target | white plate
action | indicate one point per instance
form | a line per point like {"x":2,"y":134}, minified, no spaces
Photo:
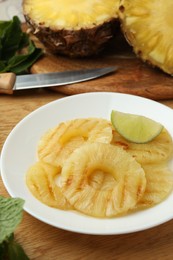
{"x":19,"y":152}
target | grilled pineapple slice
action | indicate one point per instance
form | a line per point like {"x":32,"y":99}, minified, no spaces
{"x":159,"y":149}
{"x":147,"y":26}
{"x":72,"y":27}
{"x":58,"y":143}
{"x":90,"y":159}
{"x":41,"y":181}
{"x":100,"y":180}
{"x":159,"y":185}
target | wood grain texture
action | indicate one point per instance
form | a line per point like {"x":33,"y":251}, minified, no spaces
{"x":44,"y":242}
{"x":133,"y":76}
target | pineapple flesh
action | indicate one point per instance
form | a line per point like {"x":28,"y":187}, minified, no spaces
{"x":85,"y":165}
{"x":58,"y":143}
{"x":158,"y":150}
{"x":148,"y":27}
{"x":84,"y":192}
{"x":41,"y":181}
{"x":159,"y":185}
{"x":72,"y":27}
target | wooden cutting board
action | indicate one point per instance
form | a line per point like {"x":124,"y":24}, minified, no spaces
{"x":133,"y":75}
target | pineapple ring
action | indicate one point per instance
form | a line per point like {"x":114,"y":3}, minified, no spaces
{"x":130,"y":181}
{"x":40,"y":180}
{"x":159,"y":149}
{"x":159,"y":185}
{"x":58,"y":143}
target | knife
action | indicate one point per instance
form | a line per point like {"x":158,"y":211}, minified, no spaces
{"x":10,"y":81}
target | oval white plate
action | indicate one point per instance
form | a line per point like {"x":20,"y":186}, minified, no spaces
{"x":19,"y":152}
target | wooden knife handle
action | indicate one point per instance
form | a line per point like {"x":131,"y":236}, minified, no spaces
{"x":7,"y":81}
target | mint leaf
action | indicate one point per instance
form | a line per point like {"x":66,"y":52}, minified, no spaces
{"x":27,"y":62}
{"x":11,"y":210}
{"x":10,"y":250}
{"x":2,"y":65}
{"x":21,"y":62}
{"x":15,"y":251}
{"x":11,"y":59}
{"x":9,"y":42}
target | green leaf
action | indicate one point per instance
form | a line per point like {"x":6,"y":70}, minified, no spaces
{"x":2,"y":65}
{"x":11,"y":250}
{"x":22,"y":67}
{"x":11,"y":44}
{"x":24,"y":41}
{"x":20,"y":63}
{"x":2,"y":250}
{"x":11,"y":37}
{"x":17,"y":59}
{"x":11,"y":210}
{"x":3,"y":26}
{"x":4,"y":247}
{"x":15,"y":251}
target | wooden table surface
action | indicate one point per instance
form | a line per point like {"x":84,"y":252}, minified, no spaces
{"x":41,"y":241}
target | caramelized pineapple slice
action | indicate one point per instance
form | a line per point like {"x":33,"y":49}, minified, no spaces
{"x":147,"y":26}
{"x":41,"y":181}
{"x":82,"y":186}
{"x":159,"y":149}
{"x":159,"y":185}
{"x":58,"y":143}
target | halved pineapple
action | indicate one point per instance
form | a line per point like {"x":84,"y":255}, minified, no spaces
{"x":86,"y":194}
{"x":148,"y":27}
{"x":72,"y":27}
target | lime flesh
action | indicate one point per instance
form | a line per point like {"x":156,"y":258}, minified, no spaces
{"x":135,"y":128}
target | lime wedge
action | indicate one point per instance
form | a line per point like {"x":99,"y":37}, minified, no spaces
{"x":135,"y":128}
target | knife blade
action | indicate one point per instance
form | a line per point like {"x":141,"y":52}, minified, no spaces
{"x":10,"y":82}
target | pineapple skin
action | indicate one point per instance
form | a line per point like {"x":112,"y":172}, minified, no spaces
{"x":72,"y":27}
{"x":75,"y":43}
